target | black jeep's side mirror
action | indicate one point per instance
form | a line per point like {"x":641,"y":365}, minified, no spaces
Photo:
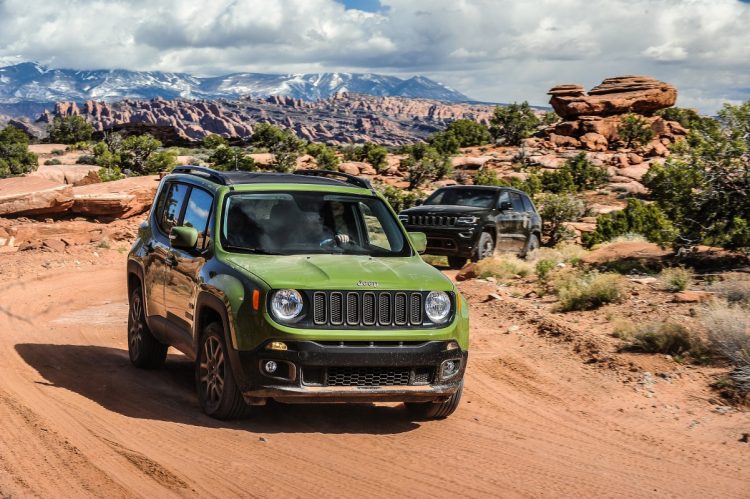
{"x":506,"y":205}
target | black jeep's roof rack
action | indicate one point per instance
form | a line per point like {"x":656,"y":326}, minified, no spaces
{"x":348,"y":178}
{"x":202,"y":171}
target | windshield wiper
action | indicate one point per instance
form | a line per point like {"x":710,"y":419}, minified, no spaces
{"x":256,"y":251}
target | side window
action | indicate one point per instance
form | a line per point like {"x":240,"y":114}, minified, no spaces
{"x":527,"y":204}
{"x":375,"y":232}
{"x":198,"y":212}
{"x":170,"y":213}
{"x":503,"y":198}
{"x":515,"y":198}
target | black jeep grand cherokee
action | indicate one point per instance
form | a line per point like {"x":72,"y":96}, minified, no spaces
{"x":463,"y":222}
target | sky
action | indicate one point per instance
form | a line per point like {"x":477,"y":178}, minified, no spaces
{"x":491,"y":50}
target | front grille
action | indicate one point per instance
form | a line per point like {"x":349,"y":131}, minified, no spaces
{"x":367,"y":376}
{"x":368,"y":308}
{"x":431,"y":220}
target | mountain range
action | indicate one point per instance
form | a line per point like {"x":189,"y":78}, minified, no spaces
{"x":29,"y":82}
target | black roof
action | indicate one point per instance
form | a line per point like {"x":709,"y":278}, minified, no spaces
{"x":483,"y":187}
{"x":314,"y":177}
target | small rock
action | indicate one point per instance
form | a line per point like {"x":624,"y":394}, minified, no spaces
{"x":493,"y":297}
{"x":262,"y":439}
{"x":745,"y":438}
{"x":691,"y":296}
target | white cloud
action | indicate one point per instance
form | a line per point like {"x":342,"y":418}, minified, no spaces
{"x":495,"y":50}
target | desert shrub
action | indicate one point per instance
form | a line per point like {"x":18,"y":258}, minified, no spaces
{"x":425,"y":164}
{"x":460,"y":133}
{"x":69,"y":129}
{"x":285,"y":146}
{"x":487,"y":177}
{"x":110,"y":174}
{"x":577,"y":174}
{"x":565,"y":252}
{"x":136,"y":150}
{"x":676,"y":278}
{"x":86,"y":159}
{"x":629,"y":237}
{"x":530,"y":185}
{"x":227,"y":158}
{"x":513,"y":123}
{"x":213,"y":141}
{"x":728,"y":329}
{"x":503,"y":267}
{"x":549,"y":118}
{"x":81,"y":145}
{"x":325,"y":157}
{"x":637,"y":217}
{"x":398,"y":199}
{"x":53,"y":161}
{"x":735,"y":291}
{"x":556,"y":210}
{"x":544,"y":267}
{"x":161,"y":161}
{"x":634,"y":130}
{"x":666,"y":338}
{"x":688,"y":118}
{"x":15,"y":157}
{"x":587,"y":290}
{"x":57,"y":152}
{"x":557,"y":182}
{"x":703,"y":186}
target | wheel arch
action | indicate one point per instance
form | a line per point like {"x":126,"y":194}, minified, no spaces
{"x":210,"y":308}
{"x":135,"y":277}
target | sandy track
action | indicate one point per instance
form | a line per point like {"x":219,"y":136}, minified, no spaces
{"x":79,"y":420}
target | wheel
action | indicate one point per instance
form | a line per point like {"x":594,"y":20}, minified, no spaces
{"x":485,"y":247}
{"x":456,"y":262}
{"x":531,"y":245}
{"x":218,"y":393}
{"x":144,"y":350}
{"x":431,"y":410}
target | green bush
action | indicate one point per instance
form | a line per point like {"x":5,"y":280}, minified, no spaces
{"x":425,"y":164}
{"x":285,"y":146}
{"x":57,"y":152}
{"x":399,"y":199}
{"x":513,"y":123}
{"x":587,"y":291}
{"x":665,"y":338}
{"x":213,"y":141}
{"x":86,"y":159}
{"x":227,"y":158}
{"x":135,"y":152}
{"x":53,"y":161}
{"x":460,"y":133}
{"x":676,"y":278}
{"x":634,"y":130}
{"x":110,"y":174}
{"x":15,"y":157}
{"x":503,"y":266}
{"x":161,"y":161}
{"x":325,"y":157}
{"x":69,"y":129}
{"x":637,"y":217}
{"x":544,"y":267}
{"x":556,"y":210}
{"x":577,"y":174}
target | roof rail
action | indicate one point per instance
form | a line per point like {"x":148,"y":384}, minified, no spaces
{"x":349,"y":179}
{"x":202,"y":171}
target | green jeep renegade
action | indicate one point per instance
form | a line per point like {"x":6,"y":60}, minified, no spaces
{"x":298,"y":287}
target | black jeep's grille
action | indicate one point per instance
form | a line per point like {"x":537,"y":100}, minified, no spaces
{"x":367,"y":376}
{"x":368,"y":308}
{"x":429,"y":220}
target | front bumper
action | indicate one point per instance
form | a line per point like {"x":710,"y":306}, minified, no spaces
{"x":453,"y":241}
{"x":329,"y":371}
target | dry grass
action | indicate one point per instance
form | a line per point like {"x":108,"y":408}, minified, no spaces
{"x":728,"y":329}
{"x":503,"y":267}
{"x":664,"y":337}
{"x":587,"y":291}
{"x":676,"y":279}
{"x":735,"y":290}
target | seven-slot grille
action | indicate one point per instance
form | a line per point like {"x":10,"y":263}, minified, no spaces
{"x":424,"y":220}
{"x":368,"y":308}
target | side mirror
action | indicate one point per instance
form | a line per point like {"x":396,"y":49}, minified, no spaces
{"x":418,"y":241}
{"x":184,"y":238}
{"x":506,"y":205}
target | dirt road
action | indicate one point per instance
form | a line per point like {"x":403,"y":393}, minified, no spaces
{"x":77,"y":420}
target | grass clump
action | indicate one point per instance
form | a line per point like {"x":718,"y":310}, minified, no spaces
{"x":675,"y":279}
{"x":588,"y":290}
{"x":728,"y":329}
{"x":666,"y":338}
{"x":503,"y":267}
{"x":734,"y":290}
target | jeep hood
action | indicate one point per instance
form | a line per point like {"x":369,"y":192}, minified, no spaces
{"x":445,"y":209}
{"x":343,"y":272}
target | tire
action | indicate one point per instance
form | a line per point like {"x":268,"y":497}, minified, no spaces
{"x":456,"y":262}
{"x":441,"y":410}
{"x":485,"y":247}
{"x":144,"y":350}
{"x":218,"y":393}
{"x":532,"y":244}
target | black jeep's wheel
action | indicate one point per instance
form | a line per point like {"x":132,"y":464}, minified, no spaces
{"x":485,"y":247}
{"x":431,"y":410}
{"x":532,"y":244}
{"x":218,"y":393}
{"x":144,"y":350}
{"x":456,"y":262}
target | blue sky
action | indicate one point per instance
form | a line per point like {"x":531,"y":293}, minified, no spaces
{"x":491,"y":50}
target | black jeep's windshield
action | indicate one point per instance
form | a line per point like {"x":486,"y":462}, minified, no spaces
{"x":293,"y":223}
{"x":479,"y":198}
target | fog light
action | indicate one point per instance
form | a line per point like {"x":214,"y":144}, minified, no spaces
{"x":270,"y":367}
{"x":449,"y":368}
{"x":276,"y":345}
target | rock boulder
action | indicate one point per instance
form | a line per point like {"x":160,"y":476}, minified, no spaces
{"x":34,"y":196}
{"x":118,"y":199}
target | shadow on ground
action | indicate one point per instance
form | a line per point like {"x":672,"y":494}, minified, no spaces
{"x":106,"y":376}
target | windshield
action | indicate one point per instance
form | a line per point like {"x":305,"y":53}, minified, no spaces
{"x":479,"y":198}
{"x":293,"y":223}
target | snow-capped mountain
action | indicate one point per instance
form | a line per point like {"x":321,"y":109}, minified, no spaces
{"x":31,"y":82}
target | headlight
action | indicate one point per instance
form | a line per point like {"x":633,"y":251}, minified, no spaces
{"x":286,"y":304}
{"x":467,"y":220}
{"x":437,"y":306}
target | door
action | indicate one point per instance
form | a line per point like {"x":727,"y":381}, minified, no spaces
{"x":510,"y":222}
{"x":183,"y":271}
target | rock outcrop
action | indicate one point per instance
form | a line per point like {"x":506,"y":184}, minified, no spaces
{"x":619,"y":95}
{"x":34,"y":196}
{"x":344,"y":118}
{"x":118,"y":199}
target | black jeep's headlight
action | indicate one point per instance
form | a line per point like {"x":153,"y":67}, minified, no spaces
{"x":286,"y":304}
{"x":437,"y":306}
{"x":467,"y":220}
